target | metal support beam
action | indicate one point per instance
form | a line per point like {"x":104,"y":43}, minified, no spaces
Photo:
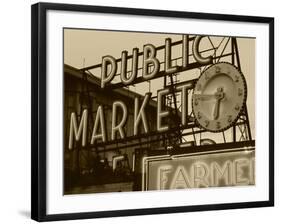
{"x":248,"y":123}
{"x":233,"y":62}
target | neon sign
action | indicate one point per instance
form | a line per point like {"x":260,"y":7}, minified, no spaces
{"x":225,"y":168}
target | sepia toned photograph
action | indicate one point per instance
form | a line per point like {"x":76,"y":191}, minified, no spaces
{"x":157,"y":111}
{"x":147,"y":111}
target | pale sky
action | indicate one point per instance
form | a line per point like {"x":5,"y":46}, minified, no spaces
{"x":84,"y":48}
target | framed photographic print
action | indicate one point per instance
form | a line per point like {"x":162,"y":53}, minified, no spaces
{"x":140,"y":111}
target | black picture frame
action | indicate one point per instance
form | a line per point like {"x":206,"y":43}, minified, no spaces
{"x":39,"y":114}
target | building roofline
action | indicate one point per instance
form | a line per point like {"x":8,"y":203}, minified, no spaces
{"x":96,"y":81}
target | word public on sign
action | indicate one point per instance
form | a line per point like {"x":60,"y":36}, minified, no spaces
{"x":149,"y":60}
{"x":223,"y":168}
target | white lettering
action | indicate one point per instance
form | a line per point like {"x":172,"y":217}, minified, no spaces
{"x":239,"y":174}
{"x":140,"y":114}
{"x":183,"y":89}
{"x":180,"y":179}
{"x":105,"y":78}
{"x":168,"y":62}
{"x":99,"y":120}
{"x":196,"y":53}
{"x":162,"y":176}
{"x":200,"y":174}
{"x":149,"y":57}
{"x":160,"y":113}
{"x":118,"y":127}
{"x":78,"y":131}
{"x":219,"y":172}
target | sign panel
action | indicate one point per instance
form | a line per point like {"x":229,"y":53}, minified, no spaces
{"x":209,"y":169}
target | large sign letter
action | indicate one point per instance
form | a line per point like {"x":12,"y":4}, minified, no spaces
{"x":184,"y":102}
{"x":73,"y":130}
{"x":141,"y":114}
{"x":123,"y":75}
{"x":168,"y":59}
{"x":160,"y":113}
{"x":105,"y":78}
{"x":118,"y":127}
{"x":197,"y":55}
{"x":99,"y":120}
{"x":149,"y":57}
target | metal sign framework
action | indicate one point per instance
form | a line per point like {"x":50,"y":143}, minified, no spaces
{"x":175,"y":136}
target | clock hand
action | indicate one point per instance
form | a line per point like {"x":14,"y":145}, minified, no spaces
{"x":216,"y":109}
{"x":219,"y":95}
{"x":205,"y":96}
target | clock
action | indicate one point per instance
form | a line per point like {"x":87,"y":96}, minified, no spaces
{"x":219,"y":97}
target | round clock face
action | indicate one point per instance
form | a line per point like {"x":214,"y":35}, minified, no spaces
{"x":219,"y":97}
